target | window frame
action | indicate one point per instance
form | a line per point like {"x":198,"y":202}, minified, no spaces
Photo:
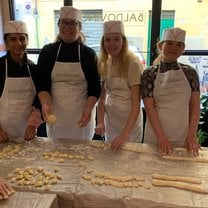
{"x":155,"y":31}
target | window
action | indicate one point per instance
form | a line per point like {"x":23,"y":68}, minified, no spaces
{"x":41,"y":17}
{"x":43,"y":29}
{"x":2,"y":49}
{"x":195,"y":22}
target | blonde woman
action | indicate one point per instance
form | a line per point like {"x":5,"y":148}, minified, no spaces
{"x":119,"y":113}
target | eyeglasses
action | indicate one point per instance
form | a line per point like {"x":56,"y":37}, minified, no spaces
{"x":64,"y":24}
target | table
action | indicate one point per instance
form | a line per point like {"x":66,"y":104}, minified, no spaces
{"x":30,"y":200}
{"x":79,"y":157}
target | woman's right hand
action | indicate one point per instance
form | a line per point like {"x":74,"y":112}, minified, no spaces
{"x":165,"y":146}
{"x":100,"y":129}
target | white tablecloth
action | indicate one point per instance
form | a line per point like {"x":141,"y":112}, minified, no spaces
{"x":30,"y":200}
{"x":73,"y":191}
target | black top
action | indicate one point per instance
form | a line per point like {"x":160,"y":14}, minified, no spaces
{"x":68,"y":53}
{"x":16,"y":70}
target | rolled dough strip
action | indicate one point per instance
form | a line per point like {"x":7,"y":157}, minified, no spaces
{"x":132,"y":147}
{"x":179,"y":185}
{"x":192,"y":159}
{"x":176,"y":178}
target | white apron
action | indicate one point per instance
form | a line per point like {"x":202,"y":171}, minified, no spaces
{"x":118,"y":106}
{"x":172,"y":94}
{"x":69,"y":94}
{"x":16,"y":103}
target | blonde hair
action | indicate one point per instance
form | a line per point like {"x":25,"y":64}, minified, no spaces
{"x":157,"y":60}
{"x":125,"y":57}
{"x":159,"y":56}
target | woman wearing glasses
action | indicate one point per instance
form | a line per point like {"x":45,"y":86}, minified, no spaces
{"x":69,"y":83}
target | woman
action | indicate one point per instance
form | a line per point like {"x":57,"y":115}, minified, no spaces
{"x":69,"y":82}
{"x":17,"y":90}
{"x":119,"y":111}
{"x":170,"y":91}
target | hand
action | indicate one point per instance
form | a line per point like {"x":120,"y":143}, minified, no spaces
{"x":192,"y":145}
{"x":86,"y":116}
{"x":165,"y":146}
{"x":5,"y":189}
{"x":118,"y":142}
{"x":100,"y":129}
{"x":35,"y":118}
{"x":3,"y":136}
{"x":30,"y":133}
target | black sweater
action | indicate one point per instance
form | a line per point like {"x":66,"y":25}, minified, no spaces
{"x":68,"y":53}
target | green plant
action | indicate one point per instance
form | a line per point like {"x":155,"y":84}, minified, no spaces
{"x":202,"y":135}
{"x":204,"y":102}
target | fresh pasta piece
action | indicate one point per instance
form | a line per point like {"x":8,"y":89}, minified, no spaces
{"x":61,"y":160}
{"x":90,"y":157}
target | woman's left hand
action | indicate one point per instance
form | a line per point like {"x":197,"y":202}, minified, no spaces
{"x":118,"y":142}
{"x":86,"y":116}
{"x":192,"y":145}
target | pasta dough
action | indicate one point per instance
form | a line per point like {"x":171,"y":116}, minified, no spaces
{"x":131,"y":147}
{"x":51,"y":119}
{"x":60,"y":157}
{"x":179,"y":185}
{"x":10,"y":150}
{"x":192,"y":159}
{"x":176,"y":178}
{"x":37,"y":178}
{"x":104,"y":178}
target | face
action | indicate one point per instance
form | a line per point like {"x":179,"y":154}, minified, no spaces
{"x":113,"y":43}
{"x":16,"y":43}
{"x":171,"y":50}
{"x":68,"y":30}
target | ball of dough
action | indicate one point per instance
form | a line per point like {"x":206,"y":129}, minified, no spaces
{"x":51,"y":119}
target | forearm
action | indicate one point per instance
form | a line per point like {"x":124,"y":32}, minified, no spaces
{"x":100,"y":113}
{"x":194,"y":114}
{"x":132,"y":118}
{"x":153,"y":117}
{"x":90,"y":102}
{"x":45,"y":98}
{"x":101,"y":107}
{"x":134,"y":112}
{"x":46,"y":103}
